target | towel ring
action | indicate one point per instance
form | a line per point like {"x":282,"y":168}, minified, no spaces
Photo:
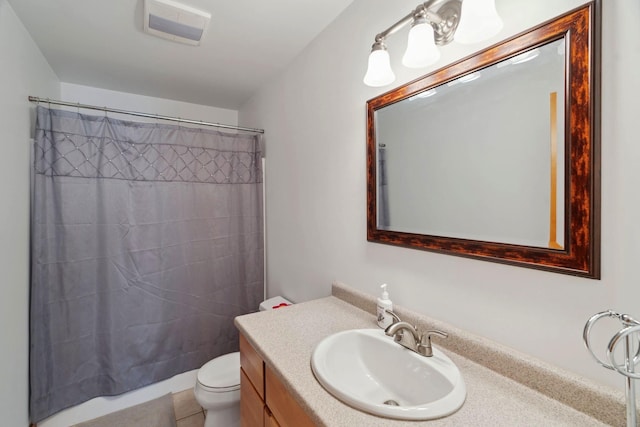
{"x":623,"y":368}
{"x":627,"y":321}
{"x":631,"y":326}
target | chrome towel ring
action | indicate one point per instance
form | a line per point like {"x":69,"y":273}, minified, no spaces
{"x":627,"y":368}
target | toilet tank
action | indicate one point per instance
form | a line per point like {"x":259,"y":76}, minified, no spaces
{"x":273,"y":303}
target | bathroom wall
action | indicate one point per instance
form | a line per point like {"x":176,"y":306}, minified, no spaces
{"x":145,"y":104}
{"x":23,"y":72}
{"x":314,"y":115}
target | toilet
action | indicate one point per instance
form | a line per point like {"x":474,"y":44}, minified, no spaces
{"x":217,"y":390}
{"x":217,"y":387}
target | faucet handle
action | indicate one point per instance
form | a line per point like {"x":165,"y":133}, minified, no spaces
{"x":424,"y":347}
{"x":435,"y":332}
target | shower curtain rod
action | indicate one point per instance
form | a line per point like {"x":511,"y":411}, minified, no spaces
{"x":139,"y":114}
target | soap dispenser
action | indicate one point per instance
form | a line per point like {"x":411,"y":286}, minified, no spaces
{"x":384,"y":303}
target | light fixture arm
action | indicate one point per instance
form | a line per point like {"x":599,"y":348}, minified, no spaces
{"x":443,"y":15}
{"x":381,"y":37}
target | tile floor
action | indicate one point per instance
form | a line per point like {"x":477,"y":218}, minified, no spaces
{"x":188,"y":411}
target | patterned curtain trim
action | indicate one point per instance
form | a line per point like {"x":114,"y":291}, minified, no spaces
{"x":70,"y":154}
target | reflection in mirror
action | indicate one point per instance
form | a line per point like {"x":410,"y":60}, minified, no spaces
{"x":502,"y":126}
{"x":496,"y":156}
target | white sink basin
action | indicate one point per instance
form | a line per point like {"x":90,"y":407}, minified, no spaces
{"x":367,"y":370}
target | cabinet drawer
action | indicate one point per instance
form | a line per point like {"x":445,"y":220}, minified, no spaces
{"x":252,"y":407}
{"x":252,"y":365}
{"x":284,"y":407}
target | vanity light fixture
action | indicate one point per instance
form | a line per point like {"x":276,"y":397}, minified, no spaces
{"x":379,"y":72}
{"x":433,"y":23}
{"x":421,"y":47}
{"x":478,"y":21}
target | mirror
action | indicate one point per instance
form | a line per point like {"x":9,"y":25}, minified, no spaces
{"x":496,"y":156}
{"x":516,"y":138}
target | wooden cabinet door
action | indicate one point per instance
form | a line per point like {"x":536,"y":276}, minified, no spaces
{"x":285,"y":408}
{"x":269,"y":419}
{"x":251,"y":404}
{"x":252,"y":365}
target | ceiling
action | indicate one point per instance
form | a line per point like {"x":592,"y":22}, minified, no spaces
{"x":101,"y":44}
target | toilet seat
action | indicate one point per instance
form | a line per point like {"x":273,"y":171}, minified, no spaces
{"x":220,"y":375}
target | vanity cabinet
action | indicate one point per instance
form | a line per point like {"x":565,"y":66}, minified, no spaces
{"x":264,"y":400}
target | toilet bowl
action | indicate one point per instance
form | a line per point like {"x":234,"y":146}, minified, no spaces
{"x":217,"y":390}
{"x":217,"y":387}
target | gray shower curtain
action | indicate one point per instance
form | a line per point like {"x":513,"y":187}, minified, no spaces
{"x":147,"y":240}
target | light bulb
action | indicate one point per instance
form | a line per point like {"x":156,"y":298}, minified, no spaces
{"x":421,"y":47}
{"x":379,"y":72}
{"x":479,"y":21}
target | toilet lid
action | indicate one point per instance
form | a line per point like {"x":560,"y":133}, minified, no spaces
{"x":223,"y":372}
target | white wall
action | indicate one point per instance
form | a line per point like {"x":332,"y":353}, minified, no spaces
{"x":144,"y":104}
{"x":314,"y":114}
{"x":23,"y":72}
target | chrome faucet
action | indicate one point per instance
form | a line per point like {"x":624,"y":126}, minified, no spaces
{"x":397,"y":331}
{"x":414,"y":341}
{"x":395,"y":316}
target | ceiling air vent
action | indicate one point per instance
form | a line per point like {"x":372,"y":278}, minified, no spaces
{"x":174,"y":21}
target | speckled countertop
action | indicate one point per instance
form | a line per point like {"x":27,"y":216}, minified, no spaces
{"x":285,"y":338}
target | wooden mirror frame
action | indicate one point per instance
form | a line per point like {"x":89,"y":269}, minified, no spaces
{"x":581,"y":253}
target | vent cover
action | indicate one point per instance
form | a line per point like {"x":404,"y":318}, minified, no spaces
{"x":174,"y":21}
